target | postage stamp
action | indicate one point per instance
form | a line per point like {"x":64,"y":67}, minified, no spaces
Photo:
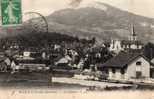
{"x":11,"y":12}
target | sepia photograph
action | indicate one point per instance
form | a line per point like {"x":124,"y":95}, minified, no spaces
{"x":76,"y":49}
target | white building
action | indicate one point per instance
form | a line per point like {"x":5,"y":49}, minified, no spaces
{"x":127,"y":66}
{"x":132,"y":43}
{"x":116,"y":46}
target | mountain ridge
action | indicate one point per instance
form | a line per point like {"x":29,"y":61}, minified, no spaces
{"x":97,"y":22}
{"x":88,"y":22}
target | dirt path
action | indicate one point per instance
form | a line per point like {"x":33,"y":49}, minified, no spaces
{"x":87,"y":83}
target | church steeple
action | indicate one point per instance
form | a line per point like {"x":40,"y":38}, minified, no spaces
{"x":133,"y":35}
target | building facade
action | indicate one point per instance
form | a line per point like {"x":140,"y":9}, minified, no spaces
{"x":127,"y":66}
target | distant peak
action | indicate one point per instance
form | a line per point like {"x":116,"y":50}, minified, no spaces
{"x":92,"y":4}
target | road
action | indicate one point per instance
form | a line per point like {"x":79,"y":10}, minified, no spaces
{"x":88,"y":83}
{"x":41,"y":80}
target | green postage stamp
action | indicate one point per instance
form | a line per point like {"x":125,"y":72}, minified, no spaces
{"x":11,"y":12}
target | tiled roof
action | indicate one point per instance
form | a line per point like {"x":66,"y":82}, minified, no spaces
{"x":121,"y":60}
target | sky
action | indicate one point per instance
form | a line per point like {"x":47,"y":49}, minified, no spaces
{"x":46,"y":7}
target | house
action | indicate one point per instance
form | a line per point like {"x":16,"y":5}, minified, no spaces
{"x":29,"y":64}
{"x":127,"y":66}
{"x":64,"y":60}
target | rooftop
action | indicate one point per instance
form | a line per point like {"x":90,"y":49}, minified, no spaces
{"x":121,"y":60}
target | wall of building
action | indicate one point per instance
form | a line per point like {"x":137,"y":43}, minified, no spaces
{"x":130,"y":71}
{"x":144,"y":68}
{"x":117,"y":75}
{"x":110,"y":74}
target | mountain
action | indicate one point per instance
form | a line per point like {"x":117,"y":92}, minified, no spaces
{"x":101,"y":21}
{"x":97,"y":19}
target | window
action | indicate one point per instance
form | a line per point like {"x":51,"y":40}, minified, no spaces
{"x":138,"y":63}
{"x":122,"y":71}
{"x":113,"y":70}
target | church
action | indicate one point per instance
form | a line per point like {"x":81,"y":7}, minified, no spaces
{"x":131,"y":44}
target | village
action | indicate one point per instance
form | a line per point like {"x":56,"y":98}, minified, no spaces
{"x":119,"y":61}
